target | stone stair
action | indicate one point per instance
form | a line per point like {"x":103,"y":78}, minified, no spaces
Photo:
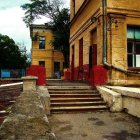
{"x":75,"y":99}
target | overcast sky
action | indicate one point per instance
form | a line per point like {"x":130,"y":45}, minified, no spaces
{"x":11,"y":23}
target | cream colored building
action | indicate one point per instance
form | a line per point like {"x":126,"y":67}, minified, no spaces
{"x":42,"y":52}
{"x":106,"y":33}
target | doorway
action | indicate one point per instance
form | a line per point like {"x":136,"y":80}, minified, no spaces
{"x":92,"y":60}
{"x":92,"y":53}
{"x":80,"y":71}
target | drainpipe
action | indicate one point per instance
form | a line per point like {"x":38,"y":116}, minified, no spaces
{"x":104,"y":8}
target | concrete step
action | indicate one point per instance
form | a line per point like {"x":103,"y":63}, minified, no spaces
{"x":74,"y":95}
{"x":78,"y":108}
{"x":52,"y":82}
{"x":69,"y":87}
{"x":76,"y":99}
{"x":60,"y":104}
{"x":72,"y":91}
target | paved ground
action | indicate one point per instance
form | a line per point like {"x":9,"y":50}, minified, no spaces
{"x":95,"y":126}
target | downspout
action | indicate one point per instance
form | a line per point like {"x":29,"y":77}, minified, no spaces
{"x":104,"y":8}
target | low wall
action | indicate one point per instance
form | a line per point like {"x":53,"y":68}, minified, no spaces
{"x":112,"y":98}
{"x":122,"y":98}
{"x":131,"y":99}
{"x":27,"y":120}
{"x":44,"y":97}
{"x":131,"y":105}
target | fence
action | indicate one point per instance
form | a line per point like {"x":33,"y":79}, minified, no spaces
{"x":12,"y":73}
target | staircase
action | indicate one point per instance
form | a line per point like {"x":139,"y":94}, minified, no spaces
{"x":75,"y":98}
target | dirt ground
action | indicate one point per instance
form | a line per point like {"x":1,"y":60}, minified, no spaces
{"x":95,"y":126}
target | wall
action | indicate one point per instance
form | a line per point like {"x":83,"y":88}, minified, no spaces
{"x":74,"y":6}
{"x":131,"y":105}
{"x":86,"y":14}
{"x":78,"y":4}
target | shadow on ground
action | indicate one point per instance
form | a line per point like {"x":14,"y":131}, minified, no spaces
{"x":95,"y":126}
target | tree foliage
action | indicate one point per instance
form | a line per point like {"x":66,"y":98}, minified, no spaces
{"x":59,"y":21}
{"x":10,"y":56}
{"x":61,"y":33}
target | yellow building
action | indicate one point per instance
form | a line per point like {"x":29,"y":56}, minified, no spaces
{"x":42,"y":52}
{"x":105,"y":33}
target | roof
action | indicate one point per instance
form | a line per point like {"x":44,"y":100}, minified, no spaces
{"x":39,"y":26}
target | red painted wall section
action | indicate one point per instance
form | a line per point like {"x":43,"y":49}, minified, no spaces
{"x":96,"y":76}
{"x":76,"y":73}
{"x":86,"y":72}
{"x":67,"y":75}
{"x":81,"y":73}
{"x":99,"y":76}
{"x":38,"y":71}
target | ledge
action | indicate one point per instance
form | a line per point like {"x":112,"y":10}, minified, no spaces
{"x":29,"y":78}
{"x":126,"y":91}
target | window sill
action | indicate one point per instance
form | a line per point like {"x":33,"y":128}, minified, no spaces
{"x":134,"y":69}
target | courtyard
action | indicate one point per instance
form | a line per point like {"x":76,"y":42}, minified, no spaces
{"x":95,"y":126}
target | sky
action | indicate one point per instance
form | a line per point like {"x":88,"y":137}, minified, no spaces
{"x":11,"y":23}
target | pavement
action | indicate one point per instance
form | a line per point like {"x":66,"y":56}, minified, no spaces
{"x":95,"y":126}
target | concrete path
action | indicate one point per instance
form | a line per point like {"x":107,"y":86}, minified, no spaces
{"x":95,"y":126}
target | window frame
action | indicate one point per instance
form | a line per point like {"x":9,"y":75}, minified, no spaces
{"x":134,"y":41}
{"x":42,"y":40}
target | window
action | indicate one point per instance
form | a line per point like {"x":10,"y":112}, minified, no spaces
{"x":42,"y":63}
{"x":41,"y":42}
{"x":133,"y":46}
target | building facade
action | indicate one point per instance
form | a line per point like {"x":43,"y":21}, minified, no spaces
{"x":42,"y":52}
{"x":105,"y":41}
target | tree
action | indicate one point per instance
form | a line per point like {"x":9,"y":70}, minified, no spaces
{"x":10,"y":56}
{"x":60,"y":27}
{"x":59,"y":21}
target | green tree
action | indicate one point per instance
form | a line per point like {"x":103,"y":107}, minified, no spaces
{"x":60,"y":26}
{"x":59,"y":21}
{"x":10,"y":56}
